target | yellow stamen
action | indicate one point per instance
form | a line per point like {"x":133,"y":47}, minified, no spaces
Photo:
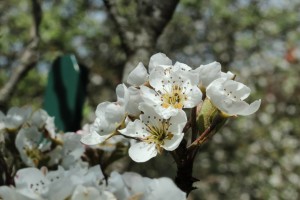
{"x":175,"y":98}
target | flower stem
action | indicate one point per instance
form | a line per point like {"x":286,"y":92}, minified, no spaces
{"x":184,"y":179}
{"x":216,"y":123}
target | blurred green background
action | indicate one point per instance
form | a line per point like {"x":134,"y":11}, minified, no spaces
{"x":255,"y":157}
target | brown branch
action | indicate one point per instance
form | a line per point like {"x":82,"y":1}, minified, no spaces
{"x":28,"y":58}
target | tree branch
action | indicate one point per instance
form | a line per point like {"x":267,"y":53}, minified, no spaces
{"x":28,"y":58}
{"x":139,"y":24}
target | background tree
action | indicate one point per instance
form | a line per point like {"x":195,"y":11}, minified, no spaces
{"x":257,"y":159}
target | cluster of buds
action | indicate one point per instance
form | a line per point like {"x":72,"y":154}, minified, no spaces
{"x":153,"y":109}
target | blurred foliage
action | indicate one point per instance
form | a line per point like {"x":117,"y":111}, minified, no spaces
{"x":255,"y":157}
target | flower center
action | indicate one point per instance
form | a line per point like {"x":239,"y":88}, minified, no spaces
{"x":158,"y":134}
{"x":34,"y":154}
{"x":175,"y":98}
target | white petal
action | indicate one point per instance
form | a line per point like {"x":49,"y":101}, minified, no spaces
{"x":16,"y":117}
{"x":208,"y":73}
{"x":194,"y":97}
{"x":240,"y":90}
{"x":178,"y":66}
{"x":122,"y":94}
{"x":138,"y":76}
{"x":92,"y":138}
{"x":100,"y":110}
{"x":86,"y":193}
{"x":117,"y":186}
{"x":172,"y":144}
{"x":142,"y":152}
{"x":166,"y":113}
{"x":215,"y":87}
{"x":132,"y":178}
{"x":94,"y":176}
{"x":158,"y":59}
{"x":134,"y":101}
{"x":157,"y":78}
{"x":178,"y":122}
{"x":252,"y":108}
{"x":114,"y":113}
{"x":150,"y":96}
{"x":9,"y":193}
{"x":231,"y":107}
{"x":228,"y":75}
{"x":149,"y":116}
{"x":31,"y":182}
{"x":39,"y":118}
{"x":169,"y":191}
{"x":135,"y":129}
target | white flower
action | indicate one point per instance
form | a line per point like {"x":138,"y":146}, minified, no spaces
{"x":228,"y":96}
{"x":139,"y":75}
{"x":154,"y":133}
{"x":173,"y":89}
{"x":31,"y":144}
{"x":109,"y":116}
{"x":32,"y":183}
{"x":210,"y":72}
{"x":72,"y":150}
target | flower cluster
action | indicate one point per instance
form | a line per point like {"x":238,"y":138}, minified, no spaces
{"x":35,"y":138}
{"x":152,"y":110}
{"x":155,"y":112}
{"x":87,"y":183}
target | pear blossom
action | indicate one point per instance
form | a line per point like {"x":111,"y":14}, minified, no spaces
{"x":173,"y":89}
{"x":31,"y":183}
{"x":109,"y":116}
{"x":139,"y":75}
{"x":69,"y":153}
{"x":154,"y":133}
{"x":228,"y":96}
{"x":31,"y":144}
